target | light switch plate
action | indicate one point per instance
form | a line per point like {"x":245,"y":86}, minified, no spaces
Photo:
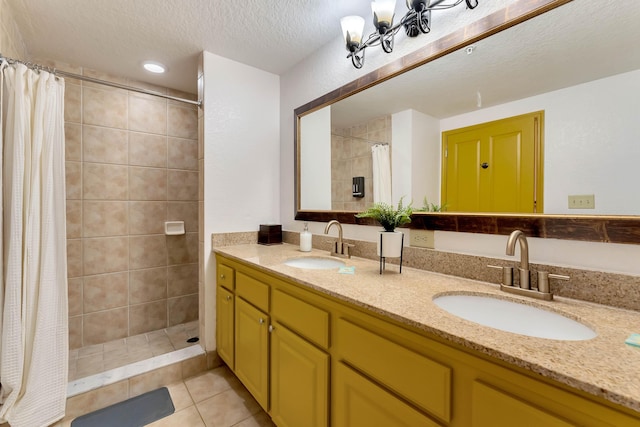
{"x":584,"y":201}
{"x":422,"y":239}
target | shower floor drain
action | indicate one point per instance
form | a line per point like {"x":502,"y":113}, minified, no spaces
{"x":194,"y":339}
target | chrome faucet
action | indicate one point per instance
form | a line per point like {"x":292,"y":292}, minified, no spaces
{"x":515,"y":236}
{"x":339,"y":248}
{"x":524,"y":286}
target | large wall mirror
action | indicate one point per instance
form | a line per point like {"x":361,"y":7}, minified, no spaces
{"x":577,"y":61}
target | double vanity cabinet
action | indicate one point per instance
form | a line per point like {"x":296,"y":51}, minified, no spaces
{"x":310,"y":358}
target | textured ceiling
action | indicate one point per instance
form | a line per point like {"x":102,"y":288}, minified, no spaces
{"x":116,"y":36}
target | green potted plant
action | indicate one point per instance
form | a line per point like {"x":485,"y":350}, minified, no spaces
{"x":390,"y":217}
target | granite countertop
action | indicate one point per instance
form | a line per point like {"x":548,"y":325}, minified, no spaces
{"x":603,"y":366}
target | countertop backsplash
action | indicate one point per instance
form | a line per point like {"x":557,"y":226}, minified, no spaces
{"x":616,"y":290}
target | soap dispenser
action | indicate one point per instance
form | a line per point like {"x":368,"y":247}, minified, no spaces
{"x":305,"y":239}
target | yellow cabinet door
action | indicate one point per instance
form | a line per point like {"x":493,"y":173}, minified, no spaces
{"x":299,"y":381}
{"x":224,"y":327}
{"x":252,"y":350}
{"x":494,"y":167}
{"x":356,"y":401}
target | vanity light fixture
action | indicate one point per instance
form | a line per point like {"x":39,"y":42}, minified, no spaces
{"x":417,"y":20}
{"x":154,"y":67}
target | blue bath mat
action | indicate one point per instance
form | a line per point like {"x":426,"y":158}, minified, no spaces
{"x":135,"y":412}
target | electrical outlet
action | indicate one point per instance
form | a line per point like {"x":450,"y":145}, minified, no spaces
{"x":586,"y":201}
{"x":422,"y":239}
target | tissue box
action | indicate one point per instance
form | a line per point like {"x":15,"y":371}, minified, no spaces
{"x":270,"y":234}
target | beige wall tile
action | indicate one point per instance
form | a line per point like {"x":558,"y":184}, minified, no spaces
{"x":147,"y":150}
{"x":147,"y":317}
{"x":105,"y":182}
{"x":105,"y":255}
{"x":182,"y":185}
{"x":73,"y":178}
{"x":74,"y":219}
{"x":182,"y":280}
{"x":73,"y":141}
{"x":200,"y":138}
{"x":201,"y":220}
{"x":105,"y":145}
{"x":148,"y":252}
{"x":104,"y":107}
{"x":182,"y":153}
{"x":72,"y":103}
{"x":147,"y":115}
{"x":154,"y":379}
{"x":182,"y":309}
{"x":121,"y":191}
{"x":105,"y":326}
{"x":147,"y":285}
{"x":103,"y":219}
{"x":194,"y":366}
{"x":182,"y":249}
{"x":74,"y":258}
{"x":147,"y":217}
{"x":147,"y":184}
{"x":201,"y":183}
{"x":184,"y":211}
{"x":105,"y":291}
{"x":75,"y":296}
{"x":182,"y":122}
{"x":100,"y":75}
{"x":75,"y":332}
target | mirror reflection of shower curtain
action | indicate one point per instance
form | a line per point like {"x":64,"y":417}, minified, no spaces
{"x":381,"y":174}
{"x":34,"y":346}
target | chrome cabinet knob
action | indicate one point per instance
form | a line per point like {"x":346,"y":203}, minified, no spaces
{"x":261,"y":321}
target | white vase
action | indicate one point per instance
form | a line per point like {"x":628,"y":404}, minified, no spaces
{"x":391,"y":244}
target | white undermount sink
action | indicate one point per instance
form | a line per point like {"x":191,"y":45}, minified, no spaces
{"x":514,"y":317}
{"x":314,"y":263}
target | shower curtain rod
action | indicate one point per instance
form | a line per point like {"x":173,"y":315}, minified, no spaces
{"x":61,"y":73}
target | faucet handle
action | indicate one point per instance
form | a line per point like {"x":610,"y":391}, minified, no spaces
{"x":543,"y":280}
{"x":507,"y":274}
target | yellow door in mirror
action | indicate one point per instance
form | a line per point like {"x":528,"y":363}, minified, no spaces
{"x":494,"y":166}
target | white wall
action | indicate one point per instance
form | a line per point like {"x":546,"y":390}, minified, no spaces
{"x":590,"y":142}
{"x":315,"y":160}
{"x":241,"y":158}
{"x":327,"y":69}
{"x":415,"y":157}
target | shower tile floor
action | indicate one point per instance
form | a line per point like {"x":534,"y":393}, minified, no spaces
{"x":95,"y":359}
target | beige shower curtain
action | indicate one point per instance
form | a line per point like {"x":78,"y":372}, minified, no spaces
{"x":33,"y":295}
{"x":381,"y":173}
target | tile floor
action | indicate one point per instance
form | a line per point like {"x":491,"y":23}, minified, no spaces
{"x":98,"y":358}
{"x":214,"y":398}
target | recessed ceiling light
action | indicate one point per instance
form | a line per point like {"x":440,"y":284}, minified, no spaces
{"x":154,"y":67}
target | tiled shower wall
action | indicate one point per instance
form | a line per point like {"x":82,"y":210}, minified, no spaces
{"x":351,"y":157}
{"x":131,"y":165}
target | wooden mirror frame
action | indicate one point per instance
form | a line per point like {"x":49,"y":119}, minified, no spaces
{"x":595,"y":228}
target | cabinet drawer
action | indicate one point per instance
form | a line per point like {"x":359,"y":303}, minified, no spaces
{"x":494,"y":408}
{"x":360,"y":402}
{"x":253,"y":291}
{"x":415,"y":377}
{"x":302,"y":317}
{"x":225,"y":276}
